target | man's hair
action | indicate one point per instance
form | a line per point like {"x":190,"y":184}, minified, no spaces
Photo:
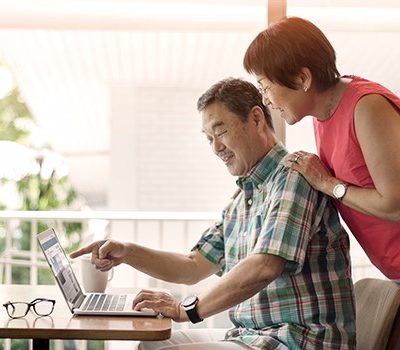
{"x":237,"y":95}
{"x":280,"y":51}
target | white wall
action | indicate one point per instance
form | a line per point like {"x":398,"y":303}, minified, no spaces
{"x":160,"y":160}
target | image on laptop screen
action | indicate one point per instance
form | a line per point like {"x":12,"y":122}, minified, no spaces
{"x":61,"y":267}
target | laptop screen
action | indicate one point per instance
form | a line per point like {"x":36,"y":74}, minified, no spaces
{"x":60,"y":266}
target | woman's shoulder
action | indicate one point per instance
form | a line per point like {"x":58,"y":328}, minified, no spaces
{"x":363,"y":86}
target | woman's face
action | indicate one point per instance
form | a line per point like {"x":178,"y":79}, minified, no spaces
{"x":292,"y":104}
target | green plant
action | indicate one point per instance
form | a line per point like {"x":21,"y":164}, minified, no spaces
{"x":44,"y":187}
{"x":14,"y":118}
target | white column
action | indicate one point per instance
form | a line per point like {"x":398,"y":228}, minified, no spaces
{"x":123,"y":148}
{"x":121,"y":192}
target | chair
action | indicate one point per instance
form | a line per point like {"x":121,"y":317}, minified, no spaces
{"x":377,"y":314}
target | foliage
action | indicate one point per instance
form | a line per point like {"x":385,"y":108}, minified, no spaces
{"x":13,"y":117}
{"x":39,"y":193}
{"x":37,"y":190}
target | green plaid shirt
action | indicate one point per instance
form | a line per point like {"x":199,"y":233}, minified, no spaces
{"x":310,"y":305}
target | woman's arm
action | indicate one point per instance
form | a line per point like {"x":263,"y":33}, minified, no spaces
{"x":377,"y":127}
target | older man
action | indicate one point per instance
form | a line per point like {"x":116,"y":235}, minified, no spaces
{"x":279,"y":248}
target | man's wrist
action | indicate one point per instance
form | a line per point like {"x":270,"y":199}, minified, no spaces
{"x":129,"y":252}
{"x":183,"y":317}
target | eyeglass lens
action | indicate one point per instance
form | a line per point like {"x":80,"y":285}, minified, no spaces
{"x":42,"y":307}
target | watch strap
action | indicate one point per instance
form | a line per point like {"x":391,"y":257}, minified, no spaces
{"x":193,"y":315}
{"x":190,"y":307}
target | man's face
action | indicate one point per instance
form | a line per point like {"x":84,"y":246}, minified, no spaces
{"x":233,"y":141}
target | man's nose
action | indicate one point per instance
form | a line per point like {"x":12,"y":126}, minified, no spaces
{"x":217,"y":146}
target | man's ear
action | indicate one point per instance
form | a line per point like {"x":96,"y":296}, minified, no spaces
{"x":304,"y":79}
{"x":257,"y":116}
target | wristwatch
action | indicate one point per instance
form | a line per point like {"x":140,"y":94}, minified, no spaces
{"x":189,"y":304}
{"x":339,"y":191}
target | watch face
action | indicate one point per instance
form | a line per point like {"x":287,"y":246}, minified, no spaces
{"x":339,"y":191}
{"x":190,"y":300}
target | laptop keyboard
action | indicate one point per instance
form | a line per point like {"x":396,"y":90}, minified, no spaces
{"x":104,"y":302}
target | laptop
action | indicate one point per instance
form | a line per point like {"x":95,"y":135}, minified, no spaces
{"x":78,"y":302}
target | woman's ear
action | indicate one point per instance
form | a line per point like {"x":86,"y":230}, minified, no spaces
{"x":304,"y":79}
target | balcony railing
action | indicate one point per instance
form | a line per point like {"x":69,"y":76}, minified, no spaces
{"x":150,"y":227}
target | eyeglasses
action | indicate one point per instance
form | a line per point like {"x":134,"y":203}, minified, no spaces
{"x":41,"y":307}
{"x":263,"y":90}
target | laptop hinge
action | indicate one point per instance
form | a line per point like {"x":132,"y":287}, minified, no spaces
{"x":79,"y":302}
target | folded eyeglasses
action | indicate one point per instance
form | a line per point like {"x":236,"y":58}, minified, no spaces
{"x":41,"y":307}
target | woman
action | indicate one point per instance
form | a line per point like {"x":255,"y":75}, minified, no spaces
{"x":356,"y":126}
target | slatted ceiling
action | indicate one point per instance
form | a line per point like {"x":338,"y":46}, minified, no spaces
{"x":65,"y":75}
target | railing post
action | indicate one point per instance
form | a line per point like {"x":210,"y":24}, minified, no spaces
{"x":8,"y":246}
{"x":34,"y":257}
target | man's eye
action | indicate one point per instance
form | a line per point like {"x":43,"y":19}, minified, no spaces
{"x":222,"y":133}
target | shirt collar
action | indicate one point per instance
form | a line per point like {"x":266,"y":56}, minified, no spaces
{"x":259,"y":173}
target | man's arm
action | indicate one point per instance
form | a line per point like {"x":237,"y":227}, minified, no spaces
{"x":246,"y":279}
{"x":171,"y":267}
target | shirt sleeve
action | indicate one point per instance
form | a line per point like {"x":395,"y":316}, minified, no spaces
{"x":211,"y":246}
{"x":287,"y":227}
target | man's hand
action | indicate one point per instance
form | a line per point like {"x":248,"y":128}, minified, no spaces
{"x":160,"y":302}
{"x":105,"y":253}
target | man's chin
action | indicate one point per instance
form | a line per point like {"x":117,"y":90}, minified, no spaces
{"x":231,"y":171}
{"x":235,"y":172}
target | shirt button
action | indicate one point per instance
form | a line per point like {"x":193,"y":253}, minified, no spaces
{"x":250,"y":202}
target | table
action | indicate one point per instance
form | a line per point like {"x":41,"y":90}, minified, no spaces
{"x":61,"y":324}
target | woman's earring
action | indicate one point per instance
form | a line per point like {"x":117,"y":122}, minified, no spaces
{"x":305,"y":88}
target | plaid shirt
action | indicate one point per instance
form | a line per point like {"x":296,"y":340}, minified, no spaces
{"x":310,"y":305}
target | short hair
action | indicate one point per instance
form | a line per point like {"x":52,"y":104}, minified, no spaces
{"x":280,"y":51}
{"x":237,"y":95}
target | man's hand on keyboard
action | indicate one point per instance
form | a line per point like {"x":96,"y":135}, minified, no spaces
{"x":161,"y":302}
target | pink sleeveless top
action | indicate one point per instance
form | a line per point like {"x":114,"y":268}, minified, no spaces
{"x":339,"y":149}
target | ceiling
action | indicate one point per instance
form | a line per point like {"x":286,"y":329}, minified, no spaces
{"x":67,"y":54}
{"x":66,"y":58}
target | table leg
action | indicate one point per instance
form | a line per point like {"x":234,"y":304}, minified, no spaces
{"x":41,"y":344}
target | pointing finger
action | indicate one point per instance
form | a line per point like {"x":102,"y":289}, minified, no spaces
{"x":85,"y":250}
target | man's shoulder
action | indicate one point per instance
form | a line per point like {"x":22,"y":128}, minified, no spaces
{"x":284,"y":177}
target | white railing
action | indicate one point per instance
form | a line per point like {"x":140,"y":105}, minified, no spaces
{"x":121,"y":225}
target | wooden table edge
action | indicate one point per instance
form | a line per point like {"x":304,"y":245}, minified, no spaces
{"x":77,"y":334}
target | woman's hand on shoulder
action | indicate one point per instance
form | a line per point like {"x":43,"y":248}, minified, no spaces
{"x":314,"y":171}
